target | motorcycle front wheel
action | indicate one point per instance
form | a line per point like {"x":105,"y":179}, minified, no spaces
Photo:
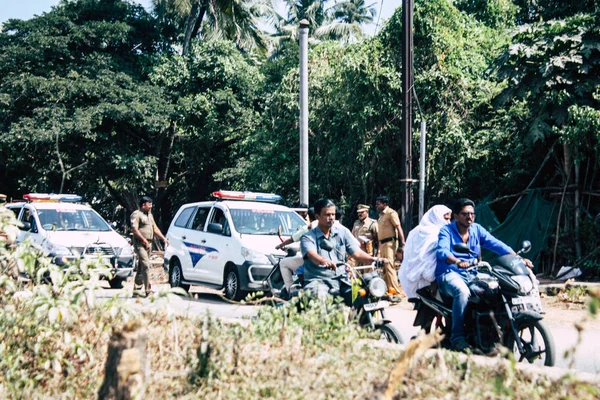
{"x":538,"y":344}
{"x":390,"y":333}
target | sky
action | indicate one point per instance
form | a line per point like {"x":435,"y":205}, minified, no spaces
{"x":25,"y":9}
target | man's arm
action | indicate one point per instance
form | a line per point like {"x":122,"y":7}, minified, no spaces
{"x":489,"y":242}
{"x":308,"y":248}
{"x":444,"y":245}
{"x":158,"y":233}
{"x":398,"y":228}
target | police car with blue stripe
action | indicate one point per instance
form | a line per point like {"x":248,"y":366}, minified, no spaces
{"x":225,"y":243}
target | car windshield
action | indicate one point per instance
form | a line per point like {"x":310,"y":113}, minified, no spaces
{"x":72,"y":220}
{"x":265,"y":222}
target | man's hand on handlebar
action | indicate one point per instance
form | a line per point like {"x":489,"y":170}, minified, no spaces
{"x":463,"y":264}
{"x":329,"y":264}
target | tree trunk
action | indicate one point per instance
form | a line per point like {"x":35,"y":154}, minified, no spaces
{"x":578,"y":252}
{"x":193,"y":24}
{"x":125,"y":370}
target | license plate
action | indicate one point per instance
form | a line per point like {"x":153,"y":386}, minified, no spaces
{"x":526,"y":300}
{"x":376,"y":306}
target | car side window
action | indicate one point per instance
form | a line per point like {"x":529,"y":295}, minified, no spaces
{"x":184,"y":217}
{"x":28,"y":216}
{"x":218,"y":217}
{"x":200,"y":218}
{"x":16,"y":210}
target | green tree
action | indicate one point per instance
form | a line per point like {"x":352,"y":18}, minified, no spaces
{"x":347,"y":18}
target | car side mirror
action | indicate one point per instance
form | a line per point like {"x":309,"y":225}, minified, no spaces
{"x":26,"y":226}
{"x":213,"y":227}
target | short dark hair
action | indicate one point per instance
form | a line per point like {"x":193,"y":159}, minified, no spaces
{"x":302,"y":205}
{"x":145,"y":199}
{"x":383,"y":199}
{"x":311,"y":213}
{"x":461,"y":203}
{"x":323,"y":203}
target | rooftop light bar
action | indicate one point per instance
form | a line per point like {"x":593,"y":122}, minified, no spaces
{"x":235,"y":195}
{"x":51,"y":197}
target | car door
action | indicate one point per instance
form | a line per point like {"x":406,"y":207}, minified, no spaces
{"x":197,"y":251}
{"x":28,"y":215}
{"x":177,"y":235}
{"x":217,"y":245}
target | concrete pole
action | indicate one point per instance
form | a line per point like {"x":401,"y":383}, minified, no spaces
{"x":406,"y":147}
{"x":422,"y":170}
{"x":304,"y":111}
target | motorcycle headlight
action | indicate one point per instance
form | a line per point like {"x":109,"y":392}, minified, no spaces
{"x":254,"y":257}
{"x":525,"y":283}
{"x":58,"y":250}
{"x":377,"y":287}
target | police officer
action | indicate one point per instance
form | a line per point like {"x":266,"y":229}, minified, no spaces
{"x":365,"y":229}
{"x":391,"y":238}
{"x":144,"y":228}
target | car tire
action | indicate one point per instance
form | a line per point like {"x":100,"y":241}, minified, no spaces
{"x":116,"y":282}
{"x":231,"y":285}
{"x":176,"y":276}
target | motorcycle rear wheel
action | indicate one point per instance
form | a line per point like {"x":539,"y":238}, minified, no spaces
{"x":390,"y":333}
{"x":538,"y":343}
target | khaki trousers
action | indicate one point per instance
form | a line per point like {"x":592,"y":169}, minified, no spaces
{"x":390,"y":276}
{"x":141,"y":274}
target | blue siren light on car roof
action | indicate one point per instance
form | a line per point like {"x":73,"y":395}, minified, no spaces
{"x":51,"y":197}
{"x":236,"y":195}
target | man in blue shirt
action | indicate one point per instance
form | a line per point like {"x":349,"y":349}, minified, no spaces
{"x":325,"y":246}
{"x":451,"y":274}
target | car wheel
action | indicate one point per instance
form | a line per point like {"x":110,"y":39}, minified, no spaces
{"x":176,"y":276}
{"x":232,"y":285}
{"x":116,"y":282}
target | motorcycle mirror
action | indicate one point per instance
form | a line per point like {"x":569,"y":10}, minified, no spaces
{"x":525,"y":247}
{"x":462,"y":248}
{"x":326,"y":245}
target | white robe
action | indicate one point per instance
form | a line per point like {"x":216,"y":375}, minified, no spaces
{"x":419,"y":263}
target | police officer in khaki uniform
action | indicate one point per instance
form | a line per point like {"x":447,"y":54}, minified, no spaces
{"x":144,"y":228}
{"x":390,"y":236}
{"x":365,"y":229}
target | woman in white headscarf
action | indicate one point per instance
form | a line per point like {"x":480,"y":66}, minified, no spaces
{"x":418,"y":265}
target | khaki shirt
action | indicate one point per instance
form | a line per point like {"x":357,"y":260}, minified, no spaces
{"x":144,"y":223}
{"x":386,"y":224}
{"x":367,"y":228}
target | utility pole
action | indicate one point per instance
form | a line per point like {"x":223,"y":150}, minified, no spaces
{"x":304,"y":111}
{"x":407,"y":81}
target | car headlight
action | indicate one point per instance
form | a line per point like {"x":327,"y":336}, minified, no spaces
{"x":254,"y":257}
{"x":377,"y":287}
{"x":126,"y":251}
{"x":58,"y":250}
{"x":525,"y":283}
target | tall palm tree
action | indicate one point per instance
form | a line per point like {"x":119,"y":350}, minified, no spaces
{"x":347,"y":18}
{"x":223,"y":19}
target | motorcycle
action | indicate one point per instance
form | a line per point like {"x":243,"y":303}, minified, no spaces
{"x":362,"y":293}
{"x":504,"y":309}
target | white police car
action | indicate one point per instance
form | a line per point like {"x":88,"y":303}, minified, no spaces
{"x":66,"y":230}
{"x":224,"y":243}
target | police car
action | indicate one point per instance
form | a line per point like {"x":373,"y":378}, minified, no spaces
{"x":68,"y":231}
{"x":225,"y":243}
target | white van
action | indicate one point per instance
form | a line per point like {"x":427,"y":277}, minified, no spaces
{"x":224,"y":243}
{"x":67,"y":231}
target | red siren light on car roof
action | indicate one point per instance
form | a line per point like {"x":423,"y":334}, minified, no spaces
{"x":235,"y":195}
{"x":51,"y":197}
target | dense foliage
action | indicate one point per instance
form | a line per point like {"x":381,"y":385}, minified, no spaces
{"x":102,"y":98}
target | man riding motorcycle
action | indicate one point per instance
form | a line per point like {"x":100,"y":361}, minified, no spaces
{"x":452,"y":275}
{"x":320,"y":263}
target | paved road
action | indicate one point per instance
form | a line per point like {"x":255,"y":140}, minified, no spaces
{"x":587,"y":356}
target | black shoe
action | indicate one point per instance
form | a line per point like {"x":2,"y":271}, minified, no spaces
{"x":461,"y":345}
{"x":139,"y":294}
